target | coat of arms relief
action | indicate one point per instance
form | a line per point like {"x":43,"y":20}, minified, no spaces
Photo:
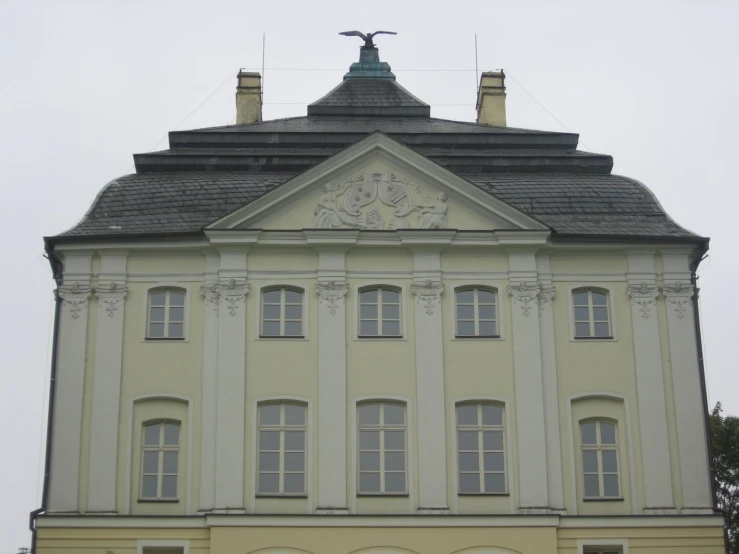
{"x":349,"y":204}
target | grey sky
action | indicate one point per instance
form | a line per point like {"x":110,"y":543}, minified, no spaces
{"x":83,"y":85}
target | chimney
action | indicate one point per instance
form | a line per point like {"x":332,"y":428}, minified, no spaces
{"x":248,"y":98}
{"x":491,"y":99}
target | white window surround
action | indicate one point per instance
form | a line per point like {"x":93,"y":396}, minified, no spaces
{"x":454,"y":466}
{"x":404,"y":311}
{"x":260,"y":289}
{"x":381,"y":428}
{"x":599,"y":448}
{"x":253,"y":447}
{"x":128,"y":466}
{"x":501,"y":307}
{"x":145,"y":311}
{"x":598,"y":544}
{"x":410,"y":473}
{"x":155,"y":544}
{"x":161,"y":447}
{"x":609,"y":289}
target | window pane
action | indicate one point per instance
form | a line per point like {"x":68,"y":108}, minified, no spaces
{"x":610,"y":485}
{"x":391,"y":328}
{"x":587,"y":431}
{"x":294,"y":415}
{"x":494,"y":461}
{"x":293,"y":329}
{"x":390,"y":297}
{"x":600,"y":314}
{"x":368,"y":296}
{"x":486,"y":312}
{"x":469,"y":461}
{"x":467,"y":414}
{"x":272,"y":297}
{"x":293,"y":312}
{"x":495,"y":482}
{"x":580,"y":298}
{"x":269,"y":461}
{"x":151,"y":435}
{"x":171,"y":434}
{"x":582,"y":314}
{"x":492,"y":415}
{"x":599,"y":299}
{"x":391,"y":311}
{"x":169,"y":486}
{"x":601,"y":330}
{"x":592,"y":488}
{"x":395,"y":482}
{"x":269,"y":414}
{"x":465,"y":297}
{"x":465,"y":312}
{"x":395,"y":440}
{"x":293,"y":297}
{"x":269,"y":483}
{"x":368,"y":311}
{"x":394,"y":414}
{"x":369,"y":482}
{"x":369,"y":440}
{"x":369,"y":461}
{"x":269,"y":440}
{"x":369,"y":414}
{"x":488,"y":329}
{"x":368,"y":328}
{"x":271,"y":312}
{"x":170,"y":462}
{"x":607,"y":433}
{"x":294,"y":440}
{"x":156,"y":330}
{"x":158,"y":298}
{"x":469,"y":482}
{"x":294,"y":483}
{"x":149,"y":486}
{"x":271,"y":328}
{"x":492,"y":440}
{"x":467,"y":440}
{"x":157,"y":314}
{"x":485,"y":297}
{"x":582,"y":329}
{"x":610,"y":463}
{"x":177,"y":314}
{"x":151,"y":462}
{"x":590,"y":461}
{"x":294,"y":461}
{"x":176,"y":331}
{"x":395,"y":461}
{"x":465,"y":328}
{"x":176,"y":299}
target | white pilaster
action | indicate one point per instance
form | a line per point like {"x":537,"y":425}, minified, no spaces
{"x":528,"y":379}
{"x":70,"y":376}
{"x":106,"y":383}
{"x":332,"y":464}
{"x":689,"y":411}
{"x":231,"y":380}
{"x":209,"y":404}
{"x":427,"y":289}
{"x":549,"y":380}
{"x":650,"y":384}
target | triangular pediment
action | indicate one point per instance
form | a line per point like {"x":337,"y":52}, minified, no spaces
{"x":378,"y":184}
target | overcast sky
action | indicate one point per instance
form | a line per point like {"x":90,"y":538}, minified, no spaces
{"x":84,"y":85}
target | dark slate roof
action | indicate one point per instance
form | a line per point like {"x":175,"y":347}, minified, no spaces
{"x":588,"y":205}
{"x":370,"y":97}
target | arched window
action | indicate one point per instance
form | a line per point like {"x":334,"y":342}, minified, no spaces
{"x":282,"y":312}
{"x":477,"y":312}
{"x":379,"y":312}
{"x":382,"y":448}
{"x":281,"y":460}
{"x":160,"y":460}
{"x":166,"y":314}
{"x":591,"y":314}
{"x":600,"y":468}
{"x":481,"y":448}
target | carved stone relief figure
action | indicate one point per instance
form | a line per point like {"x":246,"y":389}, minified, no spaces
{"x":328,"y":215}
{"x":433,"y":217}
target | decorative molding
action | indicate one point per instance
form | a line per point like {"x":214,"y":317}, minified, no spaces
{"x":75,"y":296}
{"x":232,"y":294}
{"x":332,"y":292}
{"x":110,"y":297}
{"x":546,"y":295}
{"x":429,"y":293}
{"x":211,"y":295}
{"x":678,"y":295}
{"x":525,"y":294}
{"x":644,"y":295}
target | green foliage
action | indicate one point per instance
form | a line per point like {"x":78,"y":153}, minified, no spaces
{"x":725,"y":452}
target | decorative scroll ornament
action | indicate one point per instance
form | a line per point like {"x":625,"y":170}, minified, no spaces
{"x":74,"y":296}
{"x":109,"y":297}
{"x":678,"y":296}
{"x":645,"y":296}
{"x":232,"y":294}
{"x":332,"y":292}
{"x":525,"y":294}
{"x":209,"y":291}
{"x":428,"y":293}
{"x":546,"y":295}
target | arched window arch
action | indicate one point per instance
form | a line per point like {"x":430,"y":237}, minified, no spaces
{"x":600,"y":463}
{"x":592,"y":313}
{"x":282,"y":312}
{"x":166,"y":314}
{"x":476,"y":312}
{"x":160,"y":459}
{"x":380,"y":312}
{"x":281,"y":460}
{"x":481,"y":448}
{"x":382,"y":445}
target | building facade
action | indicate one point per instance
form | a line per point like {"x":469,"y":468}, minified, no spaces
{"x":368,"y":330}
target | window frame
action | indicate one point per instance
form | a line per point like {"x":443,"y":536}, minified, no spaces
{"x":305,"y":312}
{"x":500,"y":309}
{"x":398,"y":287}
{"x":480,"y":428}
{"x":153,"y":288}
{"x":610,"y":293}
{"x":160,"y":449}
{"x":476,"y":319}
{"x":142,"y":545}
{"x":599,"y":448}
{"x":585,"y":546}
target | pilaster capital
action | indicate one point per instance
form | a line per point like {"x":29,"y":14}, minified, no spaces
{"x":110,"y":295}
{"x":525,"y":293}
{"x":429,"y":293}
{"x":644,"y":295}
{"x":74,"y":296}
{"x":232,"y":294}
{"x":678,"y":295}
{"x":331,"y":292}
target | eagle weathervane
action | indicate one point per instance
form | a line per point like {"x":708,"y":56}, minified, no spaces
{"x":368,"y":37}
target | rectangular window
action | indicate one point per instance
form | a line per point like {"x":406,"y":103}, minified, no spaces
{"x":160,"y":461}
{"x":166,"y":314}
{"x":592,"y":318}
{"x":382,"y":448}
{"x":282,"y":313}
{"x":379,"y":313}
{"x":476,"y":313}
{"x":281,"y":464}
{"x":599,"y":446}
{"x":481,"y":449}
